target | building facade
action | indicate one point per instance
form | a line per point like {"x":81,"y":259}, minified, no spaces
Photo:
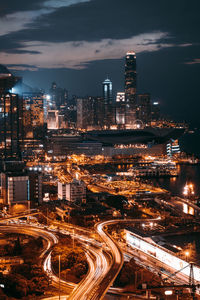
{"x":74,"y":191}
{"x":11,"y":109}
{"x":107,"y":91}
{"x":144,"y":108}
{"x":130,"y":77}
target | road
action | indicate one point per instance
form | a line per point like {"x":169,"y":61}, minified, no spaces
{"x":89,"y":287}
{"x":106,"y":268}
{"x":104,"y":265}
{"x":32,"y":231}
{"x":97,"y":285}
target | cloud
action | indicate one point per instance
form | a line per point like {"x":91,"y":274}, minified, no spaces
{"x":19,"y":20}
{"x":78,"y":55}
{"x":63,"y":3}
{"x":193,"y":62}
{"x":22,"y":67}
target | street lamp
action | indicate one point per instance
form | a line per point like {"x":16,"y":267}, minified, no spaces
{"x":59,"y":274}
{"x":168,"y":292}
{"x":73,"y":238}
{"x":187,"y":253}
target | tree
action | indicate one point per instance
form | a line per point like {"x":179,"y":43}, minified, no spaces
{"x":17,"y":250}
{"x":21,"y":269}
{"x":80,"y":270}
{"x":8,"y":249}
{"x":15,"y":285}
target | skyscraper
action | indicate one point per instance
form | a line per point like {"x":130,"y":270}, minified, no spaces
{"x":33,"y":114}
{"x":130,"y":77}
{"x":120,"y":109}
{"x":107,"y":91}
{"x":144,"y":108}
{"x":155,"y":111}
{"x":130,"y":89}
{"x":59,"y":96}
{"x":90,"y":112}
{"x":11,"y":109}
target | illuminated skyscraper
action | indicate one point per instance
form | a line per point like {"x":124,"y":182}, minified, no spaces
{"x":107,"y":91}
{"x":52,"y":119}
{"x":130,"y":77}
{"x":155,"y":111}
{"x":120,"y":109}
{"x":37,"y":108}
{"x":11,"y":109}
{"x":130,"y":89}
{"x":59,"y":96}
{"x":33,"y":114}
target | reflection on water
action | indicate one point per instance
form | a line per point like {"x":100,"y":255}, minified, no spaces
{"x":189,"y":242}
{"x":187,"y":173}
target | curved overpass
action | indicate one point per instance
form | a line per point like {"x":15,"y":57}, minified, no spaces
{"x":32,"y":231}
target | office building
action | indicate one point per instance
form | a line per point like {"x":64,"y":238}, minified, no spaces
{"x":7,"y":80}
{"x":144,"y":108}
{"x":130,"y":89}
{"x":107,"y":91}
{"x":120,"y":98}
{"x":11,"y":109}
{"x":33,"y":115}
{"x":120,"y":110}
{"x":15,"y":184}
{"x":52,"y":119}
{"x":62,"y":123}
{"x":37,"y":109}
{"x":155,"y":111}
{"x":84,"y":113}
{"x":130,"y":77}
{"x":91,"y":112}
{"x":59,"y":96}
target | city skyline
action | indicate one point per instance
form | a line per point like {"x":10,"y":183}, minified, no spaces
{"x":46,"y":41}
{"x":99,"y":155}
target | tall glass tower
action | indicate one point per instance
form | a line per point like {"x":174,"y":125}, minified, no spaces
{"x":107,"y":91}
{"x":130,"y":77}
{"x":11,"y":110}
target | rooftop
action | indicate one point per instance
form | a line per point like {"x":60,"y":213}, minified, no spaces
{"x":4,"y":71}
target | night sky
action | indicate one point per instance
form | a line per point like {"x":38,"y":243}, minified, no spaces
{"x":78,"y":43}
